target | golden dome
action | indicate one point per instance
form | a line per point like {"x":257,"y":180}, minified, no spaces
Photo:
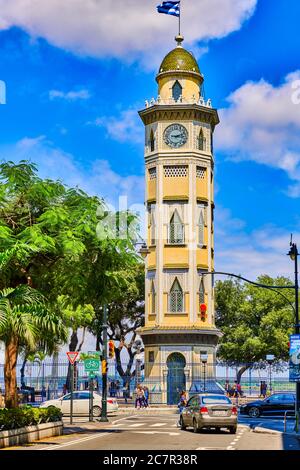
{"x":179,"y":60}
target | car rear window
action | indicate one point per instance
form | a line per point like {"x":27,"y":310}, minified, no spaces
{"x":215,"y":399}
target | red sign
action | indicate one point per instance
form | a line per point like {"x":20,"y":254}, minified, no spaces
{"x":203,"y":308}
{"x":72,"y":356}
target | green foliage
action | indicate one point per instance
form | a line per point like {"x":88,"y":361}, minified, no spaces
{"x":27,"y":416}
{"x":25,"y":317}
{"x":254,"y":321}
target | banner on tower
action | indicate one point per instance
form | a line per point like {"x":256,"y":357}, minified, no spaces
{"x":169,"y":8}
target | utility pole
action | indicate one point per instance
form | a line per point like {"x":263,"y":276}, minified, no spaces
{"x":104,"y":367}
{"x":293,"y":253}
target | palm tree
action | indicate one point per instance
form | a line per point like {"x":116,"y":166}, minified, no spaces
{"x":25,"y":322}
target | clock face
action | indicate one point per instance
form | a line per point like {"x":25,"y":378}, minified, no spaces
{"x":176,"y":135}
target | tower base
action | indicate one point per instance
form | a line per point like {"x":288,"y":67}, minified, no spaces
{"x":173,"y":363}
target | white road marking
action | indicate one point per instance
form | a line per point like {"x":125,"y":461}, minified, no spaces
{"x":157,"y":432}
{"x":157,"y":425}
{"x":136,"y":425}
{"x":76,"y":441}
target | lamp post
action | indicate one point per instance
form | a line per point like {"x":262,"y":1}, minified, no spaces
{"x":203,"y":359}
{"x":293,"y":253}
{"x":270,"y":358}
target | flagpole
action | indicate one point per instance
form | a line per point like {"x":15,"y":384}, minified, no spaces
{"x":179,"y":18}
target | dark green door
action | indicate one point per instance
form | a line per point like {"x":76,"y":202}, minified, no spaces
{"x":176,"y":377}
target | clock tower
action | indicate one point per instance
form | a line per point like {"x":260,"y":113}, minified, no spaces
{"x":179,"y":313}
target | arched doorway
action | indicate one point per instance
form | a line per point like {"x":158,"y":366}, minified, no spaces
{"x":176,"y":377}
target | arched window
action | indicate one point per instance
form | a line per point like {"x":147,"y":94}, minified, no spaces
{"x":202,"y":293}
{"x":201,"y":141}
{"x":152,"y":141}
{"x":153,"y":298}
{"x":176,"y":230}
{"x":201,"y":229}
{"x":176,"y":298}
{"x":176,"y":90}
{"x":152,"y":227}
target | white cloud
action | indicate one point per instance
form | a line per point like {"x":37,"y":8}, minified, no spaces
{"x":97,"y":178}
{"x":262,"y":124}
{"x":124,"y":29}
{"x":251,"y":253}
{"x":70,"y":95}
{"x":126,"y":127}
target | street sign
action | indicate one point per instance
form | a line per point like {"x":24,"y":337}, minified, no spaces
{"x":91,"y":365}
{"x":72,"y":356}
{"x":294,"y":362}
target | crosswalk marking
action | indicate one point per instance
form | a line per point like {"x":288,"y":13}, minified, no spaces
{"x":157,"y":425}
{"x":137,"y":425}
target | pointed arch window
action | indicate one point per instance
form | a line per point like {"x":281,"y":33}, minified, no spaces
{"x":152,"y":141}
{"x":201,"y":224}
{"x":201,"y":141}
{"x":202,"y":293}
{"x":176,"y":230}
{"x":176,"y":91}
{"x":153,"y":298}
{"x":152,"y":227}
{"x":211,"y":142}
{"x":176,"y":298}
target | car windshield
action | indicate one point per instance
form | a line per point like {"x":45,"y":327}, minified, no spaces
{"x":215,"y":399}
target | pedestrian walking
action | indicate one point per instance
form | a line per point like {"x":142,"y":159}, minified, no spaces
{"x":146,"y":396}
{"x":182,"y":404}
{"x":139,"y":401}
{"x":126,"y":392}
{"x":263,"y":389}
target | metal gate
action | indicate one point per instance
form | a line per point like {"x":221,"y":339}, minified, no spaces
{"x":176,"y":377}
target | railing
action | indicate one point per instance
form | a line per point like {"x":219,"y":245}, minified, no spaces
{"x":159,"y":101}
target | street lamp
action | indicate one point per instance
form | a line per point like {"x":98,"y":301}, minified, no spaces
{"x":203,"y":359}
{"x":144,"y":250}
{"x":293,"y":254}
{"x":104,"y":367}
{"x":270,"y":358}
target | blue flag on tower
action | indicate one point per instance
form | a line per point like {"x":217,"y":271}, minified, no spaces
{"x":169,"y":8}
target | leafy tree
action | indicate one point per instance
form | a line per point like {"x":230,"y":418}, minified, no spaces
{"x":126,"y":315}
{"x":254,"y":321}
{"x":25,"y":321}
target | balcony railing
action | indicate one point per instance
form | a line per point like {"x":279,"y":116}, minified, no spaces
{"x":181,"y":100}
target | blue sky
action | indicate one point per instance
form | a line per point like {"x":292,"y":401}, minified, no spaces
{"x":77,"y":73}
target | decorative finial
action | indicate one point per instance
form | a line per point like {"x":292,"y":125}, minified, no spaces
{"x":179,"y":39}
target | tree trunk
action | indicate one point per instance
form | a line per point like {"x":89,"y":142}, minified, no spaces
{"x":10,"y":373}
{"x":22,"y":372}
{"x":72,"y":347}
{"x":240,"y":373}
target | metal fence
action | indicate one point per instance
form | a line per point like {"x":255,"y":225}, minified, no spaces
{"x":48,"y":380}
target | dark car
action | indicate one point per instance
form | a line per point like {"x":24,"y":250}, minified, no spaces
{"x":276,"y":404}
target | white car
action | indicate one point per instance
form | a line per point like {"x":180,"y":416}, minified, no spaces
{"x":81,"y":404}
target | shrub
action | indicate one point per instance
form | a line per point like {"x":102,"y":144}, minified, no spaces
{"x":27,"y":416}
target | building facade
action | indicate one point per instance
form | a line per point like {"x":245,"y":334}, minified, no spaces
{"x":179,"y":313}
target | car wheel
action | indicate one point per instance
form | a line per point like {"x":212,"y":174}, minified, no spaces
{"x":232,"y":430}
{"x":195,"y":426}
{"x":96,"y":411}
{"x":254,"y":412}
{"x":182,"y":425}
{"x":218,"y":429}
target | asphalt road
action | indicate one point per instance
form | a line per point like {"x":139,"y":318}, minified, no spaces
{"x":159,"y":432}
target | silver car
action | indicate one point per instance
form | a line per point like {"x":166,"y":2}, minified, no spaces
{"x":209,"y":410}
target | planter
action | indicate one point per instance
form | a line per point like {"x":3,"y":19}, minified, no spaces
{"x":20,"y":436}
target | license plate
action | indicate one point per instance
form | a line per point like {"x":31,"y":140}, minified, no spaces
{"x":220,"y":413}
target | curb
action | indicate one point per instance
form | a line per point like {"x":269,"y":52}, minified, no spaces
{"x":261,"y":430}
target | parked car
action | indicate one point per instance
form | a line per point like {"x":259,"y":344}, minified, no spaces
{"x":276,"y":404}
{"x":81,"y":404}
{"x":209,"y":410}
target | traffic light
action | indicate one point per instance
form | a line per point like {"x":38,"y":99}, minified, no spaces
{"x":104,"y":367}
{"x":111,"y":349}
{"x":203,"y":309}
